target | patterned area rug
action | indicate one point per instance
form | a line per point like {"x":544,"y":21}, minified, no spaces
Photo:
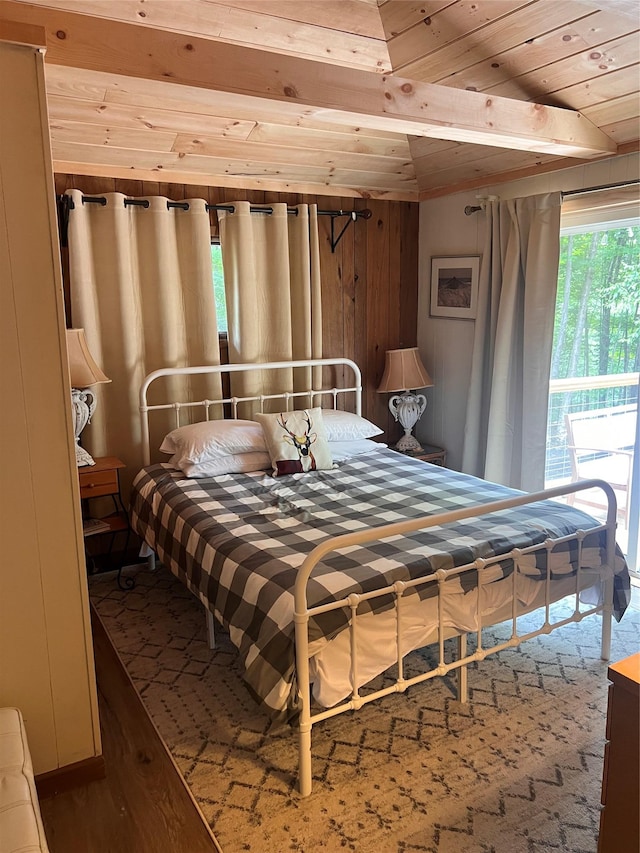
{"x":516,"y":770}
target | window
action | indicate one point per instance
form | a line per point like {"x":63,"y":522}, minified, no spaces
{"x":218,"y":286}
{"x":596,"y":357}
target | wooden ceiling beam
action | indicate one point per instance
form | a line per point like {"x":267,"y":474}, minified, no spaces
{"x":143,"y":95}
{"x":265,"y":23}
{"x":361,"y":97}
{"x":25,"y":35}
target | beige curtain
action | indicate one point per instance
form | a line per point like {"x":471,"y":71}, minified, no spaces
{"x":505,"y":431}
{"x":142,"y":288}
{"x":272,"y":285}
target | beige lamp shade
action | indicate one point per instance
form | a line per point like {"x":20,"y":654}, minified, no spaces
{"x":82,"y":368}
{"x":404,"y":370}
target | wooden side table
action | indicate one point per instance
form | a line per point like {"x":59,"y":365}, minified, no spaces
{"x":103,"y":480}
{"x":620,"y":816}
{"x":429,"y":453}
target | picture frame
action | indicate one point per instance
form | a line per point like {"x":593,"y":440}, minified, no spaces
{"x":454,"y":287}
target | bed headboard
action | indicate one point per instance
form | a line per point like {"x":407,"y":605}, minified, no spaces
{"x":314,"y":396}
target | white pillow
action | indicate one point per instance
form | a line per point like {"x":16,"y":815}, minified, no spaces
{"x":237,"y":463}
{"x":345,"y":426}
{"x":212,"y":439}
{"x":343,"y":450}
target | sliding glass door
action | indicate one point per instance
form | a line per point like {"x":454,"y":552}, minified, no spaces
{"x":594,"y":383}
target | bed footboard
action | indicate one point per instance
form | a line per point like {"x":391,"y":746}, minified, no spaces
{"x":485,"y":571}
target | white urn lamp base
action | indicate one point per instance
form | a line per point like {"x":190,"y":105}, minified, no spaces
{"x":409,"y":444}
{"x":408,"y":408}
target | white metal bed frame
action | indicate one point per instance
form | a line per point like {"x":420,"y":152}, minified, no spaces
{"x":483,"y":567}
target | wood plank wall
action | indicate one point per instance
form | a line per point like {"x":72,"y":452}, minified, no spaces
{"x":370,"y":283}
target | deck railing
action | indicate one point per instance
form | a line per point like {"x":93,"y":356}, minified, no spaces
{"x":581,"y":394}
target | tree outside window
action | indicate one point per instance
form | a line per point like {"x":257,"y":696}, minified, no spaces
{"x":218,"y":287}
{"x":597,"y":326}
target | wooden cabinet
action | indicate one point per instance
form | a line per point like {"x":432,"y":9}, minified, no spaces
{"x":620,"y":816}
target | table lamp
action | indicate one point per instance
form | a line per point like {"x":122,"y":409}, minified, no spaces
{"x":84,"y":373}
{"x":404,"y":370}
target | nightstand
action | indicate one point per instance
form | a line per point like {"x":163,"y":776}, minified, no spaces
{"x":429,"y":453}
{"x":619,"y":824}
{"x":103,"y":480}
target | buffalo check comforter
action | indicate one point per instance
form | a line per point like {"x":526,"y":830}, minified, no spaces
{"x":237,"y":541}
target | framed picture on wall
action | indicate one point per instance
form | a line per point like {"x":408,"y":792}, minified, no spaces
{"x":454,"y":287}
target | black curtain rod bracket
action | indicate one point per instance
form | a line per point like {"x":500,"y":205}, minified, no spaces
{"x":352,"y":214}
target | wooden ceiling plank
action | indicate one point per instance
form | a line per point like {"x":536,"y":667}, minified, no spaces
{"x":360,"y":97}
{"x":625,"y":130}
{"x":488,"y":165}
{"x":400,"y":15}
{"x":456,"y":157}
{"x":132,"y":117}
{"x":422,"y":146}
{"x":348,"y":16}
{"x":63,"y":132}
{"x":451,"y":177}
{"x":126,"y":116}
{"x":586,"y":65}
{"x":542,"y":166}
{"x":613,"y":110}
{"x":153,"y":165}
{"x":74,"y":83}
{"x":354,"y":142}
{"x":528,"y":22}
{"x":109,"y":170}
{"x":444,"y":27}
{"x":621,"y":8}
{"x":598,"y":90}
{"x":566,"y":41}
{"x":221,"y":22}
{"x":380,"y":183}
{"x":289,"y":155}
{"x":162,"y":162}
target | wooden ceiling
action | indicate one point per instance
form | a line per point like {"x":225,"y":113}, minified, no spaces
{"x":391,"y":99}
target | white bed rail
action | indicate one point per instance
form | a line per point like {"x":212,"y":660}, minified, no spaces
{"x":302,"y":613}
{"x":235,"y":401}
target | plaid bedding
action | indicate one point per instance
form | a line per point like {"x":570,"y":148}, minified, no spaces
{"x":236,"y":541}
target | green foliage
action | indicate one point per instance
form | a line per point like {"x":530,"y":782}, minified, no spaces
{"x":597,"y":324}
{"x":597,"y":327}
{"x":218,"y":286}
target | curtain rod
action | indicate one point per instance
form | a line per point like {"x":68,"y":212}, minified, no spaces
{"x":65,"y":203}
{"x":602,"y":187}
{"x":473,"y":208}
{"x":143,"y":202}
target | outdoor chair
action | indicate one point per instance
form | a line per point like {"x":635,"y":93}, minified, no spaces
{"x":600,"y":444}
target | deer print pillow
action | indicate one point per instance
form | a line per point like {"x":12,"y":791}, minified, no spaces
{"x":296,"y":441}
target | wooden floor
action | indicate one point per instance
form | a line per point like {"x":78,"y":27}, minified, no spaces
{"x":143,"y":805}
